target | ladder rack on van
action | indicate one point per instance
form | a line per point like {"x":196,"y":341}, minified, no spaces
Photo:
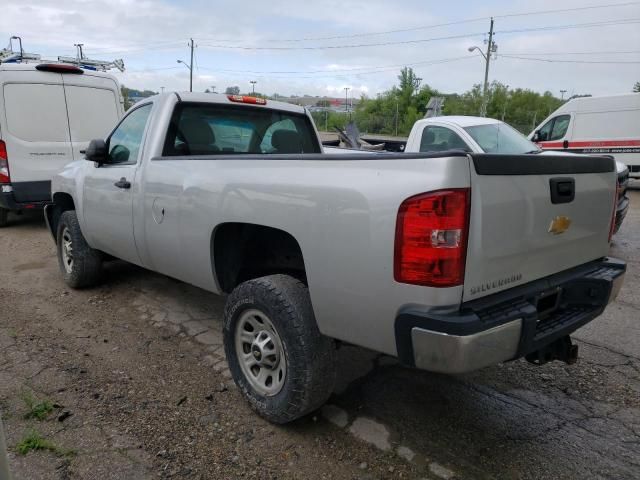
{"x":8,"y":55}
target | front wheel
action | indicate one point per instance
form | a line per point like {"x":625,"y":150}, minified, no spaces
{"x":81,"y":265}
{"x":277,"y":356}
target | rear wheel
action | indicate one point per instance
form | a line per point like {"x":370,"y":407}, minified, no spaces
{"x":4,"y":215}
{"x":81,"y":265}
{"x":277,"y":356}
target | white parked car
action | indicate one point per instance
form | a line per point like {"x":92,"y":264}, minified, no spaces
{"x":48,"y":114}
{"x":601,"y":125}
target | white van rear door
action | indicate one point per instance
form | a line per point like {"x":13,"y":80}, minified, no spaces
{"x":36,"y":134}
{"x":94,"y":110}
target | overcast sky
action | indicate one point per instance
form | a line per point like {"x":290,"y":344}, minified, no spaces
{"x":150,"y":35}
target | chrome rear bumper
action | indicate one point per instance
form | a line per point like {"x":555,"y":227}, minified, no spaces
{"x":510,"y":324}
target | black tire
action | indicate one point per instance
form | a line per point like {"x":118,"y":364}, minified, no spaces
{"x":4,"y":217}
{"x":85,"y":269}
{"x":310,"y":356}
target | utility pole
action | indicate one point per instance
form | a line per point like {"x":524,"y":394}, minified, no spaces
{"x":191,"y":65}
{"x":562,"y":92}
{"x":485,"y":100}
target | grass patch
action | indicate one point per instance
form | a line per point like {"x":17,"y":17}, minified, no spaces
{"x":34,"y":441}
{"x":36,"y":409}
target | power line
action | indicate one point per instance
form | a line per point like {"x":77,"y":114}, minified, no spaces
{"x":549,"y":60}
{"x":446,"y":24}
{"x":605,"y":23}
{"x":330,"y":73}
{"x":608,"y":52}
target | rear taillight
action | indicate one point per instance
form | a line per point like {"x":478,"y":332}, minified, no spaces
{"x":431,"y":238}
{"x":4,"y":164}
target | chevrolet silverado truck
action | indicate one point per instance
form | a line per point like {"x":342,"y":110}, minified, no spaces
{"x":450,"y":261}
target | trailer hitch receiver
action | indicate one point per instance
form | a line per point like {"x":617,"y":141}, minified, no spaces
{"x":561,"y":349}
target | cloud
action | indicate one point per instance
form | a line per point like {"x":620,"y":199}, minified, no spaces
{"x":151,"y":35}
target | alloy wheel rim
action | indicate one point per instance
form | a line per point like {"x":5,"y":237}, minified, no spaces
{"x":67,"y":250}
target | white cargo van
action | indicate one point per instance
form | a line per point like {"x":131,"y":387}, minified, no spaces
{"x":600,"y":125}
{"x":48,"y":114}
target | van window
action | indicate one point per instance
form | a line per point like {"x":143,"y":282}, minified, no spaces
{"x":92,"y":112}
{"x":124,"y":143}
{"x":560,"y":126}
{"x":438,"y":139}
{"x":36,"y":112}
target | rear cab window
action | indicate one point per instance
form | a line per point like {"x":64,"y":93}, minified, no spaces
{"x":214,"y":129}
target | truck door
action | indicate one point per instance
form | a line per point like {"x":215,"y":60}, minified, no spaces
{"x":109,"y":189}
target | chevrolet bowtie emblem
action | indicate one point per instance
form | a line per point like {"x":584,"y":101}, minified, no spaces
{"x":559,"y":225}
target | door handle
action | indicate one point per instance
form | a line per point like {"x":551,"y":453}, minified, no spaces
{"x":123,"y":183}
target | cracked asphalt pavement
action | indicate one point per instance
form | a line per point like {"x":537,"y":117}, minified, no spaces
{"x":139,"y":388}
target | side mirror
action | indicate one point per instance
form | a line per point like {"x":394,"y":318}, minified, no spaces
{"x":536,"y":136}
{"x":97,"y":151}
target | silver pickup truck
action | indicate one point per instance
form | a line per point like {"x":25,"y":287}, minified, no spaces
{"x":451,"y":261}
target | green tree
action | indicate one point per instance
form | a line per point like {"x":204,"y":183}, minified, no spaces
{"x":235,"y":90}
{"x":636,"y":87}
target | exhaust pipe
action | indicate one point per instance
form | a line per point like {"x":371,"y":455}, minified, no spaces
{"x":562,"y":349}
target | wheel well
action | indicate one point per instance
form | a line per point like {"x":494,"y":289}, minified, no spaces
{"x":242,"y":251}
{"x":62,"y":202}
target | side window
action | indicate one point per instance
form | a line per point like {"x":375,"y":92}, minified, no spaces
{"x":560,"y":126}
{"x":545,"y":131}
{"x":92,"y":112}
{"x":125,"y":141}
{"x":36,"y":112}
{"x":438,"y":139}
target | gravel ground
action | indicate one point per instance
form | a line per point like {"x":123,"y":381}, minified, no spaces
{"x":138,"y":388}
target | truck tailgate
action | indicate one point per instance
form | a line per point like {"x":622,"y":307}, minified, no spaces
{"x":524,"y":223}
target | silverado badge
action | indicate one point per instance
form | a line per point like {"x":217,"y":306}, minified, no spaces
{"x":559,"y":225}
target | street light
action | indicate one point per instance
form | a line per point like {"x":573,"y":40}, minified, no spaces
{"x":471,"y":49}
{"x":562,"y":92}
{"x":190,"y":74}
{"x":213,"y":89}
{"x":253,"y":86}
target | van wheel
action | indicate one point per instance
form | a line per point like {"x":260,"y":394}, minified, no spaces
{"x":278,"y":358}
{"x":4,"y":215}
{"x":81,"y":265}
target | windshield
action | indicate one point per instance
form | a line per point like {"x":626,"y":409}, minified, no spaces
{"x":501,"y":138}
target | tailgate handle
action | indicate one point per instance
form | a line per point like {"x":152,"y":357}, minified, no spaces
{"x":563,"y":189}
